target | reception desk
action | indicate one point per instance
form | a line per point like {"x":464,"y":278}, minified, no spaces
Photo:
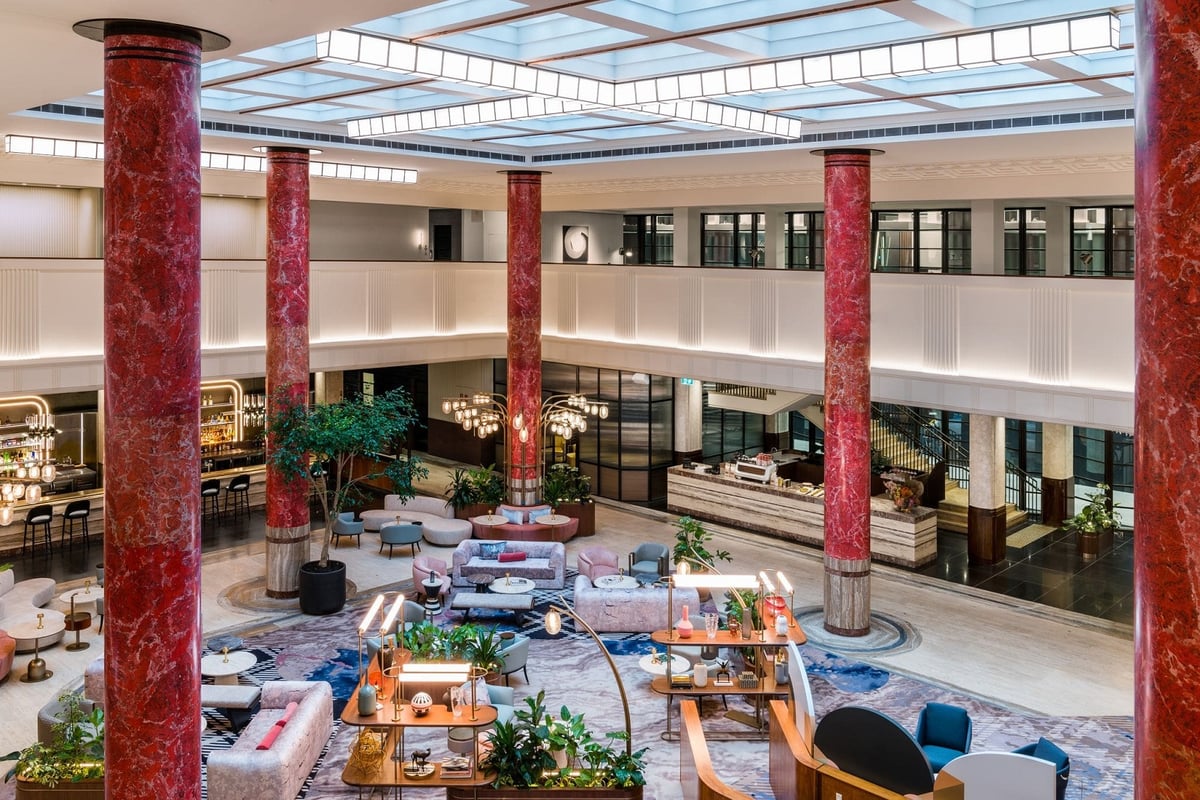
{"x":905,"y":539}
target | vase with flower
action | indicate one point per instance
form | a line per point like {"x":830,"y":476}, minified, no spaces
{"x":904,"y":490}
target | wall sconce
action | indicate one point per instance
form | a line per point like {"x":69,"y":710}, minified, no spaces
{"x":6,"y":514}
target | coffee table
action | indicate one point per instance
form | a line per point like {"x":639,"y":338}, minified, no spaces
{"x":490,"y":519}
{"x":224,"y":668}
{"x":481,"y":580}
{"x":87,"y":594}
{"x":553,"y":519}
{"x":651,"y":663}
{"x":36,"y":630}
{"x":615,"y":582}
{"x":507,"y":585}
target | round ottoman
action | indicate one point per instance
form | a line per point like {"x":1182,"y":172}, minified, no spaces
{"x":447,"y":532}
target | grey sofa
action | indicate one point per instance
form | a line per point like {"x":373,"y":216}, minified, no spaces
{"x":632,"y":610}
{"x":544,"y":563}
{"x":245,"y":773}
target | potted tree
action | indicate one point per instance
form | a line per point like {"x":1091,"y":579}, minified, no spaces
{"x":1094,"y":523}
{"x":462,"y":494}
{"x":321,"y":444}
{"x":472,"y":492}
{"x":71,"y":765}
{"x":569,"y":492}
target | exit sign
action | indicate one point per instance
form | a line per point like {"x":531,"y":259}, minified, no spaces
{"x":686,"y":381}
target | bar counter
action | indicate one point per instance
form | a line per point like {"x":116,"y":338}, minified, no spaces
{"x":897,"y":537}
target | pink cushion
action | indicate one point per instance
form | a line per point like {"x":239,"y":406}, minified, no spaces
{"x":511,"y":556}
{"x":277,"y":728}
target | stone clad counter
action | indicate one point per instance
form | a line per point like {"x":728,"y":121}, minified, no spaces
{"x":908,"y":540}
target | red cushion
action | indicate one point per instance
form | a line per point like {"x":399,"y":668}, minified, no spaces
{"x":277,"y":728}
{"x":511,"y":556}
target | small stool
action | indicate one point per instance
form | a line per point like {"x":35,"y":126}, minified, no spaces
{"x":482,"y":581}
{"x":433,"y":597}
{"x":210,"y":494}
{"x":77,"y":511}
{"x":239,"y":491}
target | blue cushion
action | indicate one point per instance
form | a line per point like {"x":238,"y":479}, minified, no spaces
{"x":1049,"y":751}
{"x":491,"y":550}
{"x":514,"y":515}
{"x":534,"y":512}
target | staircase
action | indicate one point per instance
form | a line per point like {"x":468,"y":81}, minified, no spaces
{"x":952,"y":512}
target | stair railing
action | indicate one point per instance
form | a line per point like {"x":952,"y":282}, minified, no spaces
{"x":1020,"y":488}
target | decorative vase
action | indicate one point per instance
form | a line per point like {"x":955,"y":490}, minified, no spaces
{"x":747,"y":623}
{"x":684,"y":626}
{"x":421,"y":703}
{"x":781,"y":625}
{"x":781,"y":673}
{"x":366,"y":700}
{"x":700,"y":675}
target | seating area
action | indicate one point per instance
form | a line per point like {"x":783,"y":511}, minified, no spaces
{"x":438,"y":524}
{"x":22,"y":601}
{"x":526,"y":524}
{"x":542,"y":562}
{"x":642,"y":609}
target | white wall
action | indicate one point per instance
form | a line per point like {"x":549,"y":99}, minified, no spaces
{"x":365,"y":231}
{"x":604,"y":235}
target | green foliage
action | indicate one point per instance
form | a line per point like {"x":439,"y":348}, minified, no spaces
{"x":1100,"y":513}
{"x":5,"y":566}
{"x":467,"y":642}
{"x":479,"y":485}
{"x":563,"y":483}
{"x":320,"y":444}
{"x":74,"y":753}
{"x":691,"y":545}
{"x":521,"y":754}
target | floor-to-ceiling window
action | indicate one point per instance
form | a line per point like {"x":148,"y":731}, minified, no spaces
{"x":1024,"y":241}
{"x":806,"y":437}
{"x":933,"y":240}
{"x":806,"y":240}
{"x":1023,"y":449}
{"x":731,"y":239}
{"x":1102,"y":239}
{"x":1105,"y":457}
{"x":727,"y":434}
{"x":626,"y":454}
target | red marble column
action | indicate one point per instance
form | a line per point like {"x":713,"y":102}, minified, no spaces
{"x":152,"y":406}
{"x":287,"y":355}
{"x":1166,"y":415}
{"x":847,"y":391}
{"x":524,"y":331}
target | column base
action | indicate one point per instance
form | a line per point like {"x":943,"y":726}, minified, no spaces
{"x":287,"y":549}
{"x":848,"y":596}
{"x":1056,"y":500}
{"x":987,"y":529}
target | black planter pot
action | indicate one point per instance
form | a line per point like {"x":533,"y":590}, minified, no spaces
{"x":322,"y":591}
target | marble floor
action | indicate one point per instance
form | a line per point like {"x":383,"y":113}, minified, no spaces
{"x":1013,"y":650}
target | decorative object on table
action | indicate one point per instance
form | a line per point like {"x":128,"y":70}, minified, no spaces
{"x":735,"y":626}
{"x":712,"y":623}
{"x":723,"y":677}
{"x":1095,"y":523}
{"x":747,"y":680}
{"x":419,"y":766}
{"x":368,"y":702}
{"x":421,"y":703}
{"x":684,"y":626}
{"x":781,"y":625}
{"x":781,"y":667}
{"x":367,"y":752}
{"x":904,"y":489}
{"x":332,"y":447}
{"x":700,"y":675}
{"x":681,"y":681}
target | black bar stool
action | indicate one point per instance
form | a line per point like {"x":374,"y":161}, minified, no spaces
{"x":38,"y":517}
{"x":210,"y":497}
{"x":76,"y":511}
{"x":239,"y":490}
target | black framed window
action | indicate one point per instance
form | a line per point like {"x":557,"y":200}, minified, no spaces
{"x":1105,"y":457}
{"x":726,"y":434}
{"x":1102,"y":241}
{"x":1024,"y":241}
{"x":649,"y":238}
{"x":806,"y":437}
{"x":934,"y":240}
{"x":732,"y":239}
{"x":806,"y":240}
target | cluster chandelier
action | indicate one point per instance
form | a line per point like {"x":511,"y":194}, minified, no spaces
{"x":486,"y":414}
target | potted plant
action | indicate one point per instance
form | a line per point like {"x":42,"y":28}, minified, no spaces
{"x":321,"y":444}
{"x":484,"y":649}
{"x":472,"y":492}
{"x":489,"y":484}
{"x":569,"y":492}
{"x":71,"y":765}
{"x":1094,"y":523}
{"x":521,"y":758}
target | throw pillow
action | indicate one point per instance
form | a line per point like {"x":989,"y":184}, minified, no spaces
{"x":512,"y":556}
{"x":514,"y":515}
{"x":482,"y":698}
{"x":491,"y":550}
{"x":537,"y":511}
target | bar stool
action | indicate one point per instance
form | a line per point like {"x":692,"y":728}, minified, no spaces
{"x":76,"y":511}
{"x":37,"y":517}
{"x":239,"y":490}
{"x":210,"y":496}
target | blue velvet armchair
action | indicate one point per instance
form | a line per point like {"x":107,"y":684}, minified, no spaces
{"x":345,"y":525}
{"x":1047,"y":750}
{"x":944,"y":733}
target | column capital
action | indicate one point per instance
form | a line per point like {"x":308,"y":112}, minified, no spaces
{"x":846,"y":151}
{"x":98,"y":29}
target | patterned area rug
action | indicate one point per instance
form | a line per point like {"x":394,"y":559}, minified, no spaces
{"x":569,"y":669}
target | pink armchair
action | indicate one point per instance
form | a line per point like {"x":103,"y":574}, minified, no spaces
{"x":423,"y":566}
{"x":596,"y":562}
{"x":8,"y":646}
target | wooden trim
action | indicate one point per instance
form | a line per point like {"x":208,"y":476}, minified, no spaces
{"x":700,"y":781}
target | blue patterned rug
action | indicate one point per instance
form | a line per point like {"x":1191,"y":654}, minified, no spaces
{"x":569,"y":669}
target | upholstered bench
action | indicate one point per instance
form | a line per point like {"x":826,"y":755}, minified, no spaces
{"x":516,"y":603}
{"x":237,"y":702}
{"x":631,"y":610}
{"x":436,"y":516}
